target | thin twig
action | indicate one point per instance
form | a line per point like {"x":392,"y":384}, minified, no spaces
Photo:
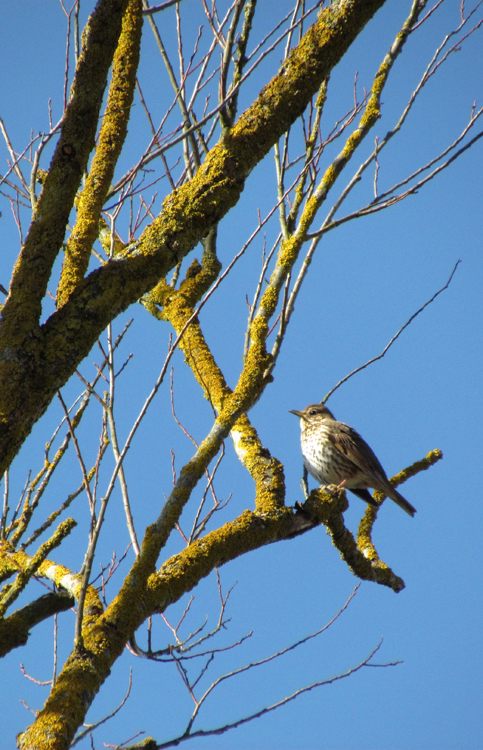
{"x":115,"y":445}
{"x":91,"y":727}
{"x":396,"y":336}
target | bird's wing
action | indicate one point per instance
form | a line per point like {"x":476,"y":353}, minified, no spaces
{"x":355,"y":448}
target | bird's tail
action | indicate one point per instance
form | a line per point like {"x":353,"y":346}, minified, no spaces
{"x":366,"y":495}
{"x":401,"y":501}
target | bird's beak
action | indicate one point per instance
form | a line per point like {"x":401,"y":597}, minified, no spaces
{"x":297,"y":413}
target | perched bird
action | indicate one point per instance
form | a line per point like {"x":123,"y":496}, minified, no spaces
{"x":334,"y":453}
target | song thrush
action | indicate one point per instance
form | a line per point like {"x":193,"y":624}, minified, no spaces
{"x":334,"y":453}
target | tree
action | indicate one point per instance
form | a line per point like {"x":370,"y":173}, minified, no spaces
{"x":99,"y":229}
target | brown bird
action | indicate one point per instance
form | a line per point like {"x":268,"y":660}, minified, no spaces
{"x":334,"y":453}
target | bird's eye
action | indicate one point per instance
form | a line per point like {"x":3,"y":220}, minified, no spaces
{"x":312,"y":412}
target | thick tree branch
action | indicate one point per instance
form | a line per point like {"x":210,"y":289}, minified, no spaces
{"x":111,"y":140}
{"x":266,"y":470}
{"x":15,"y":629}
{"x":146,"y":591}
{"x":22,"y":310}
{"x":29,"y":379}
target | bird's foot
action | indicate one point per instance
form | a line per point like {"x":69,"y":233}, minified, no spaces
{"x":332,"y":489}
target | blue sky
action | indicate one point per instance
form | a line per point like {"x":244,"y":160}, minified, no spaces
{"x":367,"y":278}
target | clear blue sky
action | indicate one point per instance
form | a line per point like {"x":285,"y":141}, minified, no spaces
{"x":367,"y":279}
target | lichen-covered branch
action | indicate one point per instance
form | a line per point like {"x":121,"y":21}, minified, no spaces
{"x":15,"y":629}
{"x":110,"y":142}
{"x":34,"y":369}
{"x":146,"y":591}
{"x":26,"y":571}
{"x":329,"y":510}
{"x":364,"y":535}
{"x":368,"y":119}
{"x":141,"y":595}
{"x":266,"y":471}
{"x":18,"y":562}
{"x":22,"y":310}
{"x":361,"y":556}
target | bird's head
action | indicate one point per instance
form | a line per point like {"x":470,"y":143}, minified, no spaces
{"x":313,"y":413}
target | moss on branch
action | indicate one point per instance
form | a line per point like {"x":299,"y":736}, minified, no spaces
{"x":29,"y":378}
{"x":111,"y":140}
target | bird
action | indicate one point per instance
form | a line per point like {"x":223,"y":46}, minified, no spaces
{"x":335,"y":454}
